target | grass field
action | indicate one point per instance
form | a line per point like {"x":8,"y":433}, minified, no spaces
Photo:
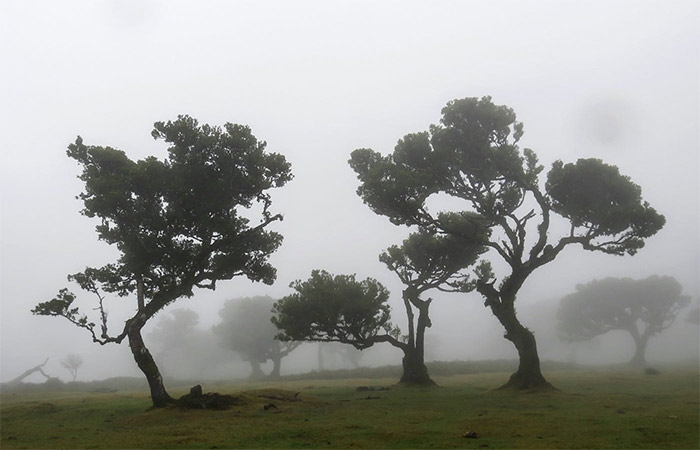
{"x":593,"y":409}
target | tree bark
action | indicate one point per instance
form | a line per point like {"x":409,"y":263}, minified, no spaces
{"x":529,"y":375}
{"x":414,"y":370}
{"x":145,"y":362}
{"x":502,"y":304}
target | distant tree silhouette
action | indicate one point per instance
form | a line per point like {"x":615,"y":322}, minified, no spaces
{"x":72,"y":363}
{"x":246,"y":328}
{"x":643,"y":308}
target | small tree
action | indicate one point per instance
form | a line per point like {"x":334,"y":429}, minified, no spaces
{"x":341,"y":309}
{"x":643,"y":308}
{"x":246,"y":328}
{"x":178,"y":224}
{"x":473,"y":157}
{"x":72,"y":363}
{"x":336,"y":308}
{"x":427,"y":262}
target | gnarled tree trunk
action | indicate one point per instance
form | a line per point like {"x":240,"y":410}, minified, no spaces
{"x":414,"y":370}
{"x":145,"y":362}
{"x":528,"y":375}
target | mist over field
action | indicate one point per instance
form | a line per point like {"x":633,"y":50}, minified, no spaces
{"x":614,"y":80}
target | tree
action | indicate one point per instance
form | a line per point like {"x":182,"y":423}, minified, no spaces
{"x":473,"y":156}
{"x":72,"y":363}
{"x":643,"y":308}
{"x":174,"y":329}
{"x":246,"y":328}
{"x":336,"y":308}
{"x":178,"y":224}
{"x":181,"y":348}
{"x":427,"y":262}
{"x":340,"y":309}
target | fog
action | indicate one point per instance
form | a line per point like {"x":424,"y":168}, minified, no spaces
{"x":616,"y":80}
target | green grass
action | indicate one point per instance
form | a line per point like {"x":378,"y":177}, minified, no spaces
{"x":594,"y":409}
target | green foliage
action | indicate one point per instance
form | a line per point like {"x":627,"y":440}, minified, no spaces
{"x":473,"y":155}
{"x":426,"y":261}
{"x":620,"y":304}
{"x":335,"y":308}
{"x":179,"y":223}
{"x":61,"y":306}
{"x":392,"y":189}
{"x":595,"y":196}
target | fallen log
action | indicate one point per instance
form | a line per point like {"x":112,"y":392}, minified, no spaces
{"x":28,"y":372}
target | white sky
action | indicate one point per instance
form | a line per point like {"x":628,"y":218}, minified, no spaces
{"x":617,"y":80}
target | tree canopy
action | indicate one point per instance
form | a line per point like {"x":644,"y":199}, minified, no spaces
{"x":472,"y":155}
{"x":335,"y":308}
{"x":246,"y":328}
{"x":643,"y":308}
{"x":181,"y":223}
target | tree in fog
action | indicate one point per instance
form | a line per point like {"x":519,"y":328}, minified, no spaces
{"x":341,"y":309}
{"x":473,"y":156}
{"x":643,"y":308}
{"x":181,"y":348}
{"x":347,"y":353}
{"x":180,"y":223}
{"x":247,"y":329}
{"x":174,"y":329}
{"x":72,"y":362}
{"x":336,"y":308}
{"x":424,"y":262}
